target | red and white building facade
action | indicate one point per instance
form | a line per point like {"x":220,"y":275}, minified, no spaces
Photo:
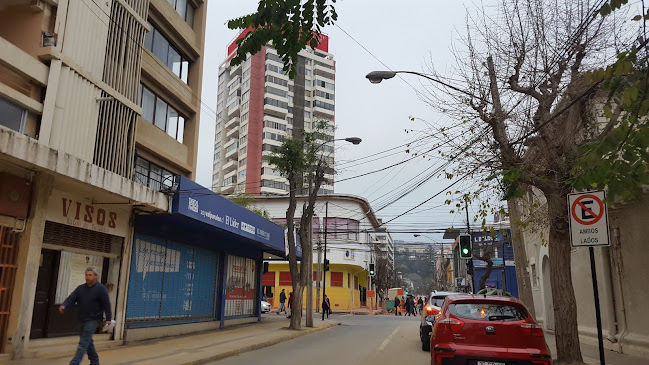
{"x":258,"y":106}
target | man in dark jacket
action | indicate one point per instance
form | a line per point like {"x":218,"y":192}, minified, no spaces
{"x":93,"y":303}
{"x":282,"y":300}
{"x":397,"y":305}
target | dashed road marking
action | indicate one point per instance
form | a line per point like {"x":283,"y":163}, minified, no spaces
{"x":387,"y":340}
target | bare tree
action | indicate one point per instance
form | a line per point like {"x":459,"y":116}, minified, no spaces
{"x":524,"y":109}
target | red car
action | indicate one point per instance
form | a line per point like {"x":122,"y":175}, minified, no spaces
{"x":487,"y":330}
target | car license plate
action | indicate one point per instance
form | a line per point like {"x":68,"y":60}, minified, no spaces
{"x":490,"y":363}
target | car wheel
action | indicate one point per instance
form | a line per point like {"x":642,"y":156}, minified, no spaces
{"x":425,"y":344}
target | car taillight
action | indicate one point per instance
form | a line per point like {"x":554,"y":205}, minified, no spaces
{"x":431,"y":311}
{"x":532,"y":329}
{"x":449,"y":324}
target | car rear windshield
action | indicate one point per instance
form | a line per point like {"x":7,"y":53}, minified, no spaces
{"x":437,"y":301}
{"x":489,"y":311}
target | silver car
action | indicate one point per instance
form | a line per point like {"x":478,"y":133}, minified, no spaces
{"x":265,"y":307}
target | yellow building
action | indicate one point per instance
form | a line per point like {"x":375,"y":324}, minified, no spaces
{"x":345,"y":286}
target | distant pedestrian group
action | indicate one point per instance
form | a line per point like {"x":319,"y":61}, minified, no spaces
{"x":408,"y":305}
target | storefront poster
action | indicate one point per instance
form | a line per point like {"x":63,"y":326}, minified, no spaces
{"x":240,"y":290}
{"x":170,"y":281}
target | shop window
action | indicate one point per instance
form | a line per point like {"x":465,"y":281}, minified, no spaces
{"x":165,"y":52}
{"x":240,"y":288}
{"x":337,"y":279}
{"x":169,"y":282}
{"x":161,"y":114}
{"x":12,"y":116}
{"x":285,"y":278}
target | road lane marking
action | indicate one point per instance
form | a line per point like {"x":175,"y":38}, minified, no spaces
{"x":387,"y":340}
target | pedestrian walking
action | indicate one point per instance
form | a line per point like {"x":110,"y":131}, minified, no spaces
{"x":420,"y":304}
{"x":397,"y":306}
{"x":92,"y":300}
{"x":410,"y":306}
{"x":282,"y":300}
{"x":289,"y":311}
{"x":326,"y":305}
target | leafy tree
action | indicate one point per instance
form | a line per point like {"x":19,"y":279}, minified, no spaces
{"x":298,"y":157}
{"x":246,"y":201}
{"x":290,"y":25}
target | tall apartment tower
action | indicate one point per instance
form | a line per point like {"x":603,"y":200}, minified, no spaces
{"x":99,"y":110}
{"x":258,"y":106}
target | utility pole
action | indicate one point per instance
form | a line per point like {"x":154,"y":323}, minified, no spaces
{"x":318,"y":276}
{"x":468,"y":228}
{"x":324,"y":273}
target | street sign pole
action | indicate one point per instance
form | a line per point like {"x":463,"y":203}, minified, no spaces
{"x":589,"y":227}
{"x":598,"y":317}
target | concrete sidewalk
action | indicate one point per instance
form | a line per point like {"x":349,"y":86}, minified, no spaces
{"x":590,"y":354}
{"x":197,"y":348}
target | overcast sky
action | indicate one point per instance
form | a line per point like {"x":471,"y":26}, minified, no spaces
{"x":404,"y":37}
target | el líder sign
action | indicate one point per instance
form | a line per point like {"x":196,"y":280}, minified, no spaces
{"x":200,"y":203}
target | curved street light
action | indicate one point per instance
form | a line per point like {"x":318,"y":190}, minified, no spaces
{"x":376,"y":77}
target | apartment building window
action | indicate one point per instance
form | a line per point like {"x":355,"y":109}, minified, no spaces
{"x":274,"y":184}
{"x":246,"y":74}
{"x":274,"y":136}
{"x":162,"y":115}
{"x":244,"y":117}
{"x":241,"y":175}
{"x":274,"y":125}
{"x":12,"y":116}
{"x":243,"y":140}
{"x":277,"y":69}
{"x":245,"y":85}
{"x":275,"y":91}
{"x":307,"y":115}
{"x":277,"y":103}
{"x":162,"y":48}
{"x":244,"y":129}
{"x":152,"y":175}
{"x":276,"y":80}
{"x":185,"y":9}
{"x":273,"y":57}
{"x":243,"y":150}
{"x":323,"y":105}
{"x":324,"y":84}
{"x":231,"y":147}
{"x":242,"y":163}
{"x":325,"y":95}
{"x":217,"y":155}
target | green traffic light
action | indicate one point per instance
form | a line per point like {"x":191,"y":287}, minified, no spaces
{"x":465,"y":251}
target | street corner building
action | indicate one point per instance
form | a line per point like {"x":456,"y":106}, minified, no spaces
{"x":198,"y":268}
{"x":99,"y":119}
{"x":355,"y":239}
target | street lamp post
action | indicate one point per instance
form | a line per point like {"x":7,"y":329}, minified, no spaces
{"x":320,"y":271}
{"x":376,"y":77}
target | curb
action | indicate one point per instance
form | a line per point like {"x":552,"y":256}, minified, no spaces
{"x":259,"y":346}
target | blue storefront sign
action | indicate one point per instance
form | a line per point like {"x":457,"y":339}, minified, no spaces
{"x":197,"y":202}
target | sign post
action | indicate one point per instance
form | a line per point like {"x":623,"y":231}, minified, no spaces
{"x":589,"y":228}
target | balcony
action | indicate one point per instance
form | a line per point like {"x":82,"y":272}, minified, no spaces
{"x":233,"y":122}
{"x":233,"y":108}
{"x":275,"y":110}
{"x":229,"y":166}
{"x":233,"y":133}
{"x":231,"y":152}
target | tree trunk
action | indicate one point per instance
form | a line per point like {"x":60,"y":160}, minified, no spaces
{"x":296,"y":306}
{"x":520,"y":258}
{"x":483,"y":280}
{"x":563,"y":294}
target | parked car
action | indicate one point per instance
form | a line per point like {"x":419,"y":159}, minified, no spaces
{"x":487,"y":330}
{"x":428,"y":312}
{"x":265,"y":307}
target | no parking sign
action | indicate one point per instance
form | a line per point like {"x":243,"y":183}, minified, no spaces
{"x":588,"y":219}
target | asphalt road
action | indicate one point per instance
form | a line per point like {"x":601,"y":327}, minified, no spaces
{"x":373,"y":340}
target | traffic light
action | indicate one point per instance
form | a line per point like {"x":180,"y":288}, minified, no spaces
{"x":326,"y":265}
{"x":465,"y":246}
{"x":371,"y":269}
{"x":469,"y":267}
{"x":265,"y":267}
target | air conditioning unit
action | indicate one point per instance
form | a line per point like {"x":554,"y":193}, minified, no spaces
{"x":15,"y":194}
